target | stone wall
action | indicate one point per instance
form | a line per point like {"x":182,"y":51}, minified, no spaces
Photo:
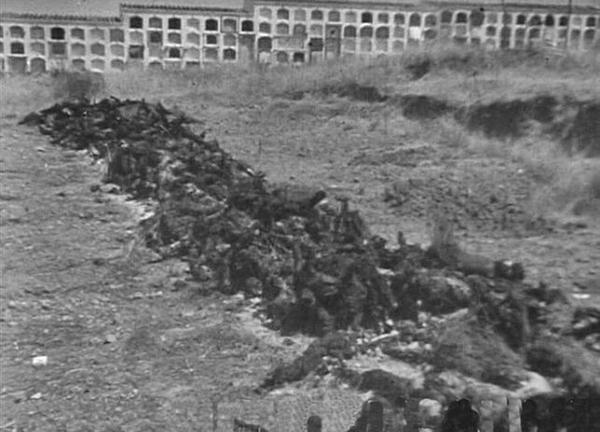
{"x":37,"y":47}
{"x":139,"y":40}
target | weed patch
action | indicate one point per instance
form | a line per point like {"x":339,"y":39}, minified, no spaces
{"x":78,"y":85}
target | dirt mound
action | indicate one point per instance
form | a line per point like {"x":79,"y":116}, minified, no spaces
{"x":475,"y":200}
{"x":574,"y":124}
{"x":419,"y":66}
{"x":350,"y":90}
{"x":422,"y":106}
{"x":478,"y":351}
{"x":356,"y":91}
{"x":508,"y":119}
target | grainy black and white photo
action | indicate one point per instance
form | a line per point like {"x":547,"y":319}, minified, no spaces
{"x":300,"y":216}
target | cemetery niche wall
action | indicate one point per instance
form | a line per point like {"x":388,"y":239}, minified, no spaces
{"x":188,"y":34}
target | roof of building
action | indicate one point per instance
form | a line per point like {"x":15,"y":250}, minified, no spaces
{"x":103,"y":8}
{"x":517,"y":3}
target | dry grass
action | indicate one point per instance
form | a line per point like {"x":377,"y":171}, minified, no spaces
{"x":477,"y":351}
{"x":445,"y":132}
{"x":456,"y":73}
{"x":22,"y":94}
{"x":572,"y":188}
{"x":459,"y":75}
{"x":566,"y":185}
{"x":78,"y":85}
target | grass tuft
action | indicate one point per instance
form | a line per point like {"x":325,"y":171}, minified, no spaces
{"x":78,"y":85}
{"x":477,"y":351}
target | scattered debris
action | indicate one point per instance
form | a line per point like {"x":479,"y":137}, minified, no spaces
{"x":110,"y":338}
{"x":138,"y":295}
{"x":334,"y":345}
{"x":586,"y":326}
{"x":109,"y":188}
{"x":241,"y":426}
{"x":40,"y":361}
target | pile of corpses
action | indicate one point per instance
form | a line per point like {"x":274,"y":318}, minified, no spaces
{"x":312,"y":260}
{"x":315,"y":264}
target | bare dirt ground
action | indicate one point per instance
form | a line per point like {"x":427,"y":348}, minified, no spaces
{"x":132,"y":345}
{"x":129,"y":345}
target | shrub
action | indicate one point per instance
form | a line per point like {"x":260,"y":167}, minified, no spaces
{"x":78,"y":85}
{"x":477,"y":351}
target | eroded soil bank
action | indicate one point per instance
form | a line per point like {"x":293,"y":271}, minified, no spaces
{"x":574,"y":123}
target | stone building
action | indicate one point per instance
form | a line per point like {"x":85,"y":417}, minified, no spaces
{"x":109,"y":35}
